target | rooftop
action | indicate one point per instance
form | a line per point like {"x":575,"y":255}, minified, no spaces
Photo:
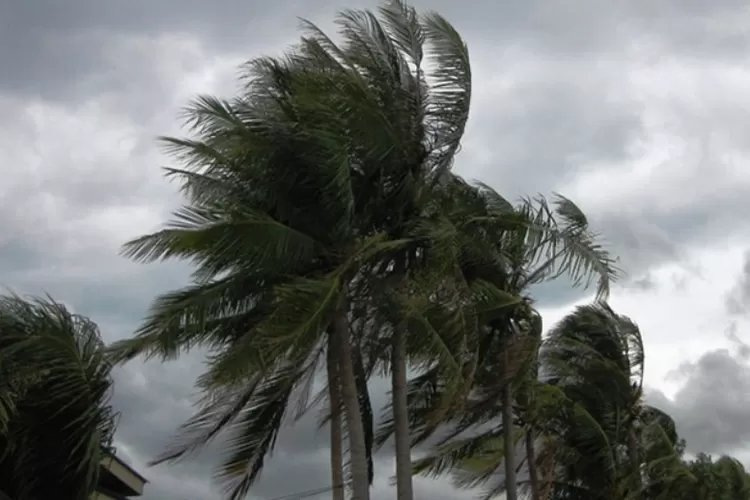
{"x":118,"y":480}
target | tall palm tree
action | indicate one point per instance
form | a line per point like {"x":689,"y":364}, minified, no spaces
{"x":56,"y":423}
{"x":504,"y":249}
{"x":334,"y":405}
{"x":269,"y":228}
{"x":425,"y":110}
{"x":296,"y":193}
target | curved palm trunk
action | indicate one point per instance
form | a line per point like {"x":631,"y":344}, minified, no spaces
{"x":350,"y":399}
{"x":511,"y":487}
{"x":334,"y":401}
{"x":404,"y":488}
{"x":531,"y":460}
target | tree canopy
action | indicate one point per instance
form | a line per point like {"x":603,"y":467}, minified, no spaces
{"x":56,"y":422}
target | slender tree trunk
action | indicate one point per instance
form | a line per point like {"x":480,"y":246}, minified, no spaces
{"x":357,"y":448}
{"x":634,"y":457}
{"x":531,"y":460}
{"x":511,"y":487}
{"x":404,"y":488}
{"x":334,"y":401}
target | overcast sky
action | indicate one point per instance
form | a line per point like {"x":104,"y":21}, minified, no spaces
{"x":638,"y":110}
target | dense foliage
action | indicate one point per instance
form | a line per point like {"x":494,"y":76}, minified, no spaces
{"x":582,"y":426}
{"x":55,"y":418}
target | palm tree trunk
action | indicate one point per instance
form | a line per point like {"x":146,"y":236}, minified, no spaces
{"x":350,"y":398}
{"x":634,"y":458}
{"x":334,"y":402}
{"x":531,"y":460}
{"x":404,"y":488}
{"x":511,"y":487}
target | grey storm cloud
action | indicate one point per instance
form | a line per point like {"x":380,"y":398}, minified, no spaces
{"x":157,"y":398}
{"x":87,"y":85}
{"x":738,"y":298}
{"x":645,"y":283}
{"x":710,"y":409}
{"x":164,"y":398}
{"x":50,"y":48}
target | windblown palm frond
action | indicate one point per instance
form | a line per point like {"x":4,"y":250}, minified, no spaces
{"x":492,"y":251}
{"x":595,"y":357}
{"x":498,"y":250}
{"x":596,"y":347}
{"x":57,"y":421}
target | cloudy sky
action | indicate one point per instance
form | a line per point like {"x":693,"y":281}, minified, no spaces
{"x":638,"y":110}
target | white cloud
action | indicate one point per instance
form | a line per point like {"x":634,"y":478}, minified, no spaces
{"x":684,"y":315}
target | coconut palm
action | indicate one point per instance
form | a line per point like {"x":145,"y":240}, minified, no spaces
{"x":596,"y":358}
{"x":735,"y":478}
{"x":710,"y":479}
{"x":424,"y":112}
{"x":594,"y":442}
{"x":56,"y":423}
{"x":274,"y":250}
{"x":504,"y":249}
{"x":296,"y":191}
{"x":596,"y":438}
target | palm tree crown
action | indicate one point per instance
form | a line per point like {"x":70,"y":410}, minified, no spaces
{"x":56,"y":423}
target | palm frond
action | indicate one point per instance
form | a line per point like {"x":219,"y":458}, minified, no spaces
{"x":218,"y":240}
{"x":302,"y":311}
{"x":450,"y":90}
{"x":59,"y":423}
{"x":255,"y":431}
{"x":460,"y":452}
{"x":566,"y":247}
{"x":404,"y":29}
{"x":208,"y":314}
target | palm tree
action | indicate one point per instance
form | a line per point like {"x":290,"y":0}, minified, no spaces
{"x":270,"y":235}
{"x":296,"y":194}
{"x":504,"y":249}
{"x":56,"y":423}
{"x":588,"y":417}
{"x":425,"y":111}
{"x":735,"y":477}
{"x":334,"y":405}
{"x":710,"y":479}
{"x":596,"y":358}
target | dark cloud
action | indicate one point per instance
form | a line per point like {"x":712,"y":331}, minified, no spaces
{"x":738,"y":298}
{"x":155,"y":398}
{"x":57,"y":51}
{"x":51,"y":50}
{"x":645,"y":283}
{"x":546,"y":121}
{"x":710,"y":408}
